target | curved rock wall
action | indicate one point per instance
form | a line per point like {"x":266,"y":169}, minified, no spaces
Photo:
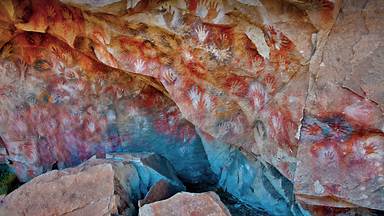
{"x":60,"y":107}
{"x":296,"y":83}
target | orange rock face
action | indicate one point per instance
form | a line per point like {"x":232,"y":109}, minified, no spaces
{"x":297,"y":83}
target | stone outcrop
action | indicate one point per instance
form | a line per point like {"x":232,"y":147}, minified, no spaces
{"x":96,"y":187}
{"x":285,"y":93}
{"x":187,"y":204}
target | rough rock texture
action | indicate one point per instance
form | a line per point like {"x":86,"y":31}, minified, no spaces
{"x":159,"y":191}
{"x":187,"y":204}
{"x":341,"y":153}
{"x":88,"y":190}
{"x":96,"y":187}
{"x":60,"y":107}
{"x":297,"y":83}
{"x":251,"y":179}
{"x":335,"y":211}
{"x":225,"y":78}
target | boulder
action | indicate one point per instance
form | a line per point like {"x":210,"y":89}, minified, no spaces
{"x":159,"y":191}
{"x":96,"y":187}
{"x":187,"y":204}
{"x":85,"y":190}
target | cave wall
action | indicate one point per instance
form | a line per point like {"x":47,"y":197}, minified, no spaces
{"x":297,"y":84}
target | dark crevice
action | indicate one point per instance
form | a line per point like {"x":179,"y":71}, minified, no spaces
{"x":8,"y":180}
{"x":55,"y":166}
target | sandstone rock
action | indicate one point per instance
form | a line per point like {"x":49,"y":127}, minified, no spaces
{"x":220,"y":68}
{"x":296,"y":82}
{"x":81,"y":109}
{"x":317,"y":210}
{"x":87,"y":190}
{"x":96,"y":187}
{"x":187,"y":204}
{"x":159,"y":191}
{"x":341,"y":151}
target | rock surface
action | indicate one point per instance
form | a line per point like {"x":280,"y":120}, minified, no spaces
{"x":297,"y":83}
{"x":89,"y":190}
{"x":251,"y":179}
{"x":341,"y":151}
{"x":67,"y":107}
{"x":96,"y":187}
{"x":187,"y":204}
{"x":159,"y":191}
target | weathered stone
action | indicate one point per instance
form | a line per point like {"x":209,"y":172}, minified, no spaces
{"x":220,"y":76}
{"x":341,"y":151}
{"x":296,"y":82}
{"x":250,"y":179}
{"x":317,"y":210}
{"x":96,"y":187}
{"x":187,"y":204}
{"x":150,"y":167}
{"x":159,"y":191}
{"x":87,"y":190}
{"x":61,"y":107}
